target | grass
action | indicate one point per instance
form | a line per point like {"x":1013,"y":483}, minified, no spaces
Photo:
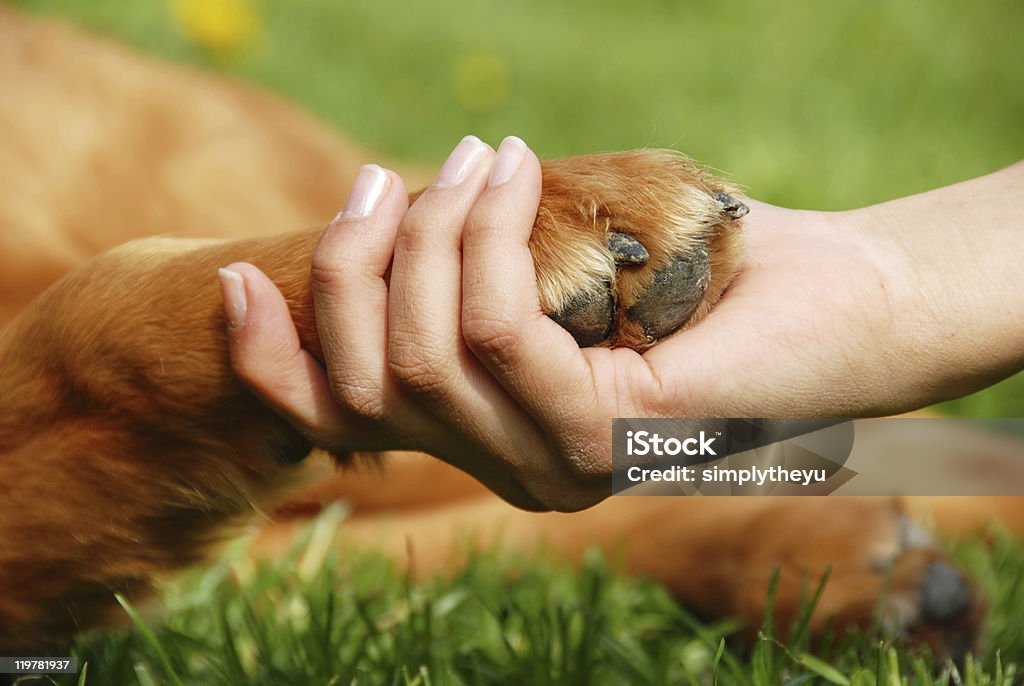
{"x":823,"y":105}
{"x":506,"y":620}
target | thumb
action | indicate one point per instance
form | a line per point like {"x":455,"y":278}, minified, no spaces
{"x":267,"y":355}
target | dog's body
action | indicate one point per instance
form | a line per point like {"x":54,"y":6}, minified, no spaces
{"x":127,"y":446}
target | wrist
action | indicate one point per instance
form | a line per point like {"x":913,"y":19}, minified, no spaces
{"x":949,"y":260}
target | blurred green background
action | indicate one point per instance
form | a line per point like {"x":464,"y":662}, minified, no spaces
{"x":819,"y":105}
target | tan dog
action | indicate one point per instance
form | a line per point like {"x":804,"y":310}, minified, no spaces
{"x":128,"y":447}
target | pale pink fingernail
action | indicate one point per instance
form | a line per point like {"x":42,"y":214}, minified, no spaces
{"x":510,"y":156}
{"x":466,"y":156}
{"x":232,"y":290}
{"x":370,"y":186}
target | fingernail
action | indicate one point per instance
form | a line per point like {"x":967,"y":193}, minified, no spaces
{"x":232,"y":290}
{"x":510,"y":156}
{"x":464,"y":159}
{"x":369,"y":187}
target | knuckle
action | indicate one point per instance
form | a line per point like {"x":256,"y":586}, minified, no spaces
{"x":586,"y":470}
{"x":567,"y":487}
{"x":337,"y":263}
{"x":481,"y":230}
{"x":326,"y":273}
{"x":364,"y":400}
{"x":581,"y":483}
{"x":586,"y":459}
{"x":420,"y":230}
{"x":417,"y":372}
{"x":488,"y":218}
{"x":490,"y":334}
{"x":590,"y":464}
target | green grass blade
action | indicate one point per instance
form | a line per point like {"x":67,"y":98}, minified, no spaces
{"x":150,"y":639}
{"x":823,"y":669}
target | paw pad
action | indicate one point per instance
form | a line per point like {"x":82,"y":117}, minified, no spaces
{"x":631,"y":247}
{"x":673,"y":293}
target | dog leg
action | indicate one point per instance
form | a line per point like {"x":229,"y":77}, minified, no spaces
{"x":128,"y":444}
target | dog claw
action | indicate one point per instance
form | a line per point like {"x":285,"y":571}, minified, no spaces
{"x":626,"y":250}
{"x":731,"y":206}
{"x":674,"y":293}
{"x":588,"y":317}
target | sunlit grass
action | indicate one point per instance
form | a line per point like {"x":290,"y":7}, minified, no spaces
{"x":507,"y":620}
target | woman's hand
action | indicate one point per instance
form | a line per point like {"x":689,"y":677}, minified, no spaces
{"x":409,"y":356}
{"x":843,"y":314}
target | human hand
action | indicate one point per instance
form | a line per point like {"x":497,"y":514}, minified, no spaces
{"x":846,"y":314}
{"x":396,"y":371}
{"x":824,"y":319}
{"x":861,"y":313}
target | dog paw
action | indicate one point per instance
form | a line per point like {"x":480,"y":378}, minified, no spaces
{"x":720,"y":557}
{"x":886,"y":572}
{"x":926,"y":599}
{"x":630,"y":247}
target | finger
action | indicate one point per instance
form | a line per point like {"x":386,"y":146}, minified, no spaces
{"x":426,"y":352}
{"x":487,"y":434}
{"x":501,"y":318}
{"x":425,"y":349}
{"x":533,"y":358}
{"x":350,"y":294}
{"x":267,"y":355}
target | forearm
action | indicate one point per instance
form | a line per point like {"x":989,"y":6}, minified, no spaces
{"x":953,"y":260}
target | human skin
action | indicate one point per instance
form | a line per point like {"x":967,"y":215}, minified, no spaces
{"x":860,"y":313}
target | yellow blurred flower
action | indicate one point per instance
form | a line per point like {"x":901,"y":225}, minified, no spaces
{"x":222,"y":27}
{"x":482,"y":82}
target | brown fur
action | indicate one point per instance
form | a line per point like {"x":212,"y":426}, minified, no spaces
{"x":127,"y":446}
